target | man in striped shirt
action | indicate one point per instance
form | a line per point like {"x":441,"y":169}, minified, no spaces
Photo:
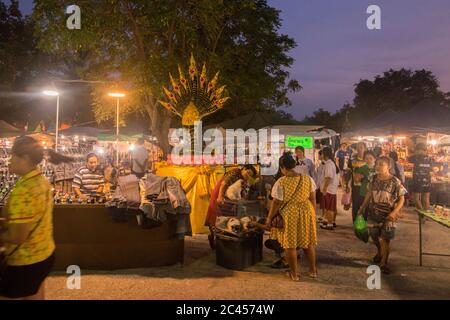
{"x":88,"y":179}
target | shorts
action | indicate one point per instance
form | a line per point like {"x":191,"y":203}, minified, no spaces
{"x":386,"y":231}
{"x":329,"y":202}
{"x":420,"y":187}
{"x":24,"y":281}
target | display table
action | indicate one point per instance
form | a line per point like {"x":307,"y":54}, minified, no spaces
{"x":444,"y":221}
{"x":86,"y":236}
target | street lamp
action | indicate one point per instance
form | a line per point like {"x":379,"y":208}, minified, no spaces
{"x":52,"y":93}
{"x":117,"y":95}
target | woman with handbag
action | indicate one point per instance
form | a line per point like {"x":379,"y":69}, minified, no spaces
{"x":293,"y":215}
{"x":28,"y":230}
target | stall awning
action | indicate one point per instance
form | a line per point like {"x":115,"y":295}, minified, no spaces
{"x":122,"y":137}
{"x":82,"y":131}
{"x":425,"y":117}
{"x":255,"y":120}
{"x":7,"y":130}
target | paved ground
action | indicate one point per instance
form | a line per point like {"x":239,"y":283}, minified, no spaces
{"x":342,"y":262}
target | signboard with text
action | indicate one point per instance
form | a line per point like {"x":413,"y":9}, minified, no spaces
{"x":296,"y":141}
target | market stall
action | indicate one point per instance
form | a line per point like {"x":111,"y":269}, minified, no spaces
{"x":309,"y":137}
{"x":102,"y":231}
{"x":427,"y":123}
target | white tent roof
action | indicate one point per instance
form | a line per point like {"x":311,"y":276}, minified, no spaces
{"x":293,"y":129}
{"x":304,"y":130}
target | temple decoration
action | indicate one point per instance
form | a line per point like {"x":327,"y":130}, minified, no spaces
{"x":193,"y":97}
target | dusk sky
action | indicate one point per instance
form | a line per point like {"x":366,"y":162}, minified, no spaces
{"x":335,"y":49}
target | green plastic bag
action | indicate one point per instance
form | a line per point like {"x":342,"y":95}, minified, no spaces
{"x":360,"y":228}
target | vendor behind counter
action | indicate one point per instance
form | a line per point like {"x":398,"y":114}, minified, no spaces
{"x":88,"y":179}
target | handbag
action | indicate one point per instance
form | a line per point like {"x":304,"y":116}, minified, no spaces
{"x":277,"y":221}
{"x":346,"y":199}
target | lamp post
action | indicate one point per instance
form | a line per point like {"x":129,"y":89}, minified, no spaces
{"x":117,"y":95}
{"x":52,"y":93}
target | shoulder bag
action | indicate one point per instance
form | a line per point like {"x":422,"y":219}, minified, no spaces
{"x":277,"y":221}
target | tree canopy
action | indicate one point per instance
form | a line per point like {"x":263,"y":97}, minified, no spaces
{"x":397,"y":90}
{"x":133,"y":45}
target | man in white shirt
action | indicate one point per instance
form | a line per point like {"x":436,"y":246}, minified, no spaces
{"x":139,"y":159}
{"x":304,"y":165}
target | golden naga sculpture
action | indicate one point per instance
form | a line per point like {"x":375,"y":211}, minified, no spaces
{"x":194,"y":97}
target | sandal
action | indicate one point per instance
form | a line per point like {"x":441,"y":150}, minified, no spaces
{"x":376,"y":259}
{"x":327,"y":226}
{"x":279,"y":264}
{"x":385,"y":269}
{"x":312,"y":275}
{"x":289,"y":274}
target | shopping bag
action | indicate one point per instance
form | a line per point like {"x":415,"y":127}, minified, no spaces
{"x":360,"y":228}
{"x":346,"y":199}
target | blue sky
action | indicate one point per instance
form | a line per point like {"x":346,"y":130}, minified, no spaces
{"x":335,"y":48}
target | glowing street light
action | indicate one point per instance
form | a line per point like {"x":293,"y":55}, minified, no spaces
{"x":52,"y":93}
{"x":117,"y":95}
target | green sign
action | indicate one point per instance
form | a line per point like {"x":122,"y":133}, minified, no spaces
{"x":305,"y":142}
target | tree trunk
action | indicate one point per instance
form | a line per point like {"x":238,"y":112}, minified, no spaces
{"x":160,"y":121}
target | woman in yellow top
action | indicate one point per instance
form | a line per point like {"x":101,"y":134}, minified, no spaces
{"x":28,"y":231}
{"x":295,"y":199}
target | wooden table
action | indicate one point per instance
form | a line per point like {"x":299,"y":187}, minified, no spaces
{"x":86,"y":236}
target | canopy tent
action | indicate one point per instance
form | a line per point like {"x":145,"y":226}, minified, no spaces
{"x":44,"y":138}
{"x":312,"y":130}
{"x":425,"y":117}
{"x":7,"y":130}
{"x":255,"y":120}
{"x":122,"y":137}
{"x":82,"y":131}
{"x":381,"y":120}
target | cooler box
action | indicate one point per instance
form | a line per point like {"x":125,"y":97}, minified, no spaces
{"x":239,"y":253}
{"x":242,"y":208}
